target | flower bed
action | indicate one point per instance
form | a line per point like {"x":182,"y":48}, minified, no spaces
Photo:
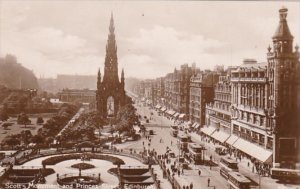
{"x":83,"y":166}
{"x":58,"y":159}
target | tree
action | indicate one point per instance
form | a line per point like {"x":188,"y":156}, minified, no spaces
{"x":12,"y":141}
{"x":39,"y":120}
{"x":23,"y":119}
{"x":3,"y":114}
{"x":5,"y":125}
{"x":26,"y":136}
{"x":38,"y":139}
{"x":126,"y":118}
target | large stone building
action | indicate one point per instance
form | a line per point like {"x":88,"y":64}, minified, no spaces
{"x":77,"y":95}
{"x":201,"y":93}
{"x":110,"y":91}
{"x":158,"y":91}
{"x":264,"y":103}
{"x":217,"y":113}
{"x":177,"y":89}
{"x":249,"y":102}
{"x":282,"y":114}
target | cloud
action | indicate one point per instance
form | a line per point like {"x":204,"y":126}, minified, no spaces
{"x":165,"y":48}
{"x":69,"y":37}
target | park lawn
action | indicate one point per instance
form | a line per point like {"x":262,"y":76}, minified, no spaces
{"x":16,"y":128}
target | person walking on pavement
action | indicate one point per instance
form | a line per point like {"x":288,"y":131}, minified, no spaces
{"x":191,"y":185}
{"x":208,"y":182}
{"x":199,"y":172}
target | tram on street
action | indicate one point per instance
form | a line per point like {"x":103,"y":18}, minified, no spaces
{"x":174,"y":130}
{"x":182,"y":142}
{"x":238,"y":181}
{"x":196,"y":152}
{"x":228,"y":164}
{"x":285,"y":174}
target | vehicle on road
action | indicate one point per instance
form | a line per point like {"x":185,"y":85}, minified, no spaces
{"x":182,"y":142}
{"x":220,"y":150}
{"x":283,"y":174}
{"x":228,"y":164}
{"x":174,"y":130}
{"x":196,"y":152}
{"x":151,"y":132}
{"x":172,"y":155}
{"x":238,"y":181}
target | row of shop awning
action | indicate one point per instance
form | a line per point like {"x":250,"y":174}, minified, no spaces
{"x":196,"y":125}
{"x":170,"y":112}
{"x":157,"y":106}
{"x":245,"y":146}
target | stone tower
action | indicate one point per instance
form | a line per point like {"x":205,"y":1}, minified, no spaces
{"x":283,"y":98}
{"x":110,"y":91}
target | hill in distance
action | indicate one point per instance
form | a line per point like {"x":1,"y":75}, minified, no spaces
{"x":14,"y":75}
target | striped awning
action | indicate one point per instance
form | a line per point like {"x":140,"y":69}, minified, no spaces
{"x":170,"y":112}
{"x":157,"y":106}
{"x":232,"y":139}
{"x":208,"y":130}
{"x":253,"y":150}
{"x":220,"y":136}
{"x":181,"y":116}
{"x":163,"y":109}
{"x":176,"y":114}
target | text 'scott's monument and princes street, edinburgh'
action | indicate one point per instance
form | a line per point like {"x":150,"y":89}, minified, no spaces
{"x":172,"y":126}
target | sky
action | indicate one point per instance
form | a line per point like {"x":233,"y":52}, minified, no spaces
{"x":54,"y":37}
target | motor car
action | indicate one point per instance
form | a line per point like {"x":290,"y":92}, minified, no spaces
{"x":151,"y":132}
{"x":172,"y":155}
{"x":220,"y":150}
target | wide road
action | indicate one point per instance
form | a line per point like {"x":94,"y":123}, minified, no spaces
{"x":162,"y":139}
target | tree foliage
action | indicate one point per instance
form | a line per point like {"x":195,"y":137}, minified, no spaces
{"x":23,"y":119}
{"x":3,"y":114}
{"x":40,"y":120}
{"x":126,"y":118}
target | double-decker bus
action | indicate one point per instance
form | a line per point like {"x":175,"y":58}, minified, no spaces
{"x":182,"y":142}
{"x":196,"y":152}
{"x":228,"y":164}
{"x":238,"y":181}
{"x":174,"y":130}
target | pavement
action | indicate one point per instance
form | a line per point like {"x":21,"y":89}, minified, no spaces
{"x":162,"y":139}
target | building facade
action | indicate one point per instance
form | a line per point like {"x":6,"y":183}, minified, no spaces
{"x":110,"y":94}
{"x":201,"y":93}
{"x":78,"y":95}
{"x":217,"y":114}
{"x":282,"y":114}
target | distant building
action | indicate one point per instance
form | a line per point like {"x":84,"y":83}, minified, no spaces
{"x":177,"y":89}
{"x":64,"y":81}
{"x":76,"y":81}
{"x":77,"y":95}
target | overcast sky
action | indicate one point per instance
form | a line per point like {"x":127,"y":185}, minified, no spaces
{"x":69,"y":37}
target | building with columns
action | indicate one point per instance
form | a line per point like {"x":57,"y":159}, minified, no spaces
{"x":249,"y":101}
